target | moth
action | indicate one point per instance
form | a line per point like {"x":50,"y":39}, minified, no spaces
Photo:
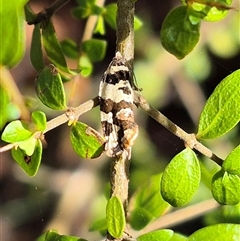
{"x":116,"y":105}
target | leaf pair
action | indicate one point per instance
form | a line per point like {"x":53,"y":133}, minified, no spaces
{"x":26,"y":138}
{"x":226,"y":182}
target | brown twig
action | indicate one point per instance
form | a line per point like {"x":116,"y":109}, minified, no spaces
{"x":49,"y":11}
{"x":189,"y":139}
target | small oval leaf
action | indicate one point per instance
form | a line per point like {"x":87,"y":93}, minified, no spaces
{"x":86,"y":142}
{"x":115,"y":217}
{"x":53,"y":47}
{"x":95,"y":49}
{"x":218,"y":232}
{"x":110,"y":15}
{"x":178,"y":34}
{"x":225,"y":188}
{"x":163,"y":235}
{"x":232,"y":162}
{"x":36,"y":54}
{"x":181,"y":178}
{"x":70,"y":48}
{"x":222,"y":110}
{"x":15,"y":131}
{"x":40,"y":120}
{"x":29,"y":164}
{"x":85,"y":65}
{"x":49,"y":88}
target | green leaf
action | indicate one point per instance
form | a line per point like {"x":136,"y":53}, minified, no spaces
{"x":86,"y":142}
{"x":181,"y":178}
{"x":100,"y":27}
{"x":28,"y":145}
{"x":53,"y":48}
{"x":70,"y":48}
{"x":29,"y":164}
{"x":232,"y":162}
{"x":15,"y":132}
{"x":179,"y":35}
{"x":12,"y":32}
{"x":95,"y":49}
{"x":40,"y":120}
{"x":163,"y":235}
{"x":115,"y":217}
{"x":218,"y":232}
{"x":49,"y":88}
{"x":222,"y":110}
{"x":85,"y":65}
{"x":147,"y":203}
{"x":85,"y":8}
{"x":52,"y":235}
{"x":225,"y":188}
{"x":137,"y":23}
{"x":212,"y":11}
{"x":178,"y":237}
{"x":110,"y":15}
{"x":36,"y":54}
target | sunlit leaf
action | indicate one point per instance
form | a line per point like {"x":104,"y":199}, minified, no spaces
{"x":40,"y":120}
{"x":15,"y":131}
{"x":163,"y":235}
{"x":115,"y":217}
{"x":222,"y":110}
{"x":225,"y":188}
{"x":87,"y":142}
{"x":29,"y":164}
{"x":218,"y":232}
{"x":181,"y":178}
{"x":232,"y":162}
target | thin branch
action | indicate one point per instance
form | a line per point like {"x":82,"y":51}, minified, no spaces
{"x":70,"y":116}
{"x":179,"y":216}
{"x":49,"y":11}
{"x":189,"y":139}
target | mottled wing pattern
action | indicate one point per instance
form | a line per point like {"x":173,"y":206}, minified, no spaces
{"x":116,"y":106}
